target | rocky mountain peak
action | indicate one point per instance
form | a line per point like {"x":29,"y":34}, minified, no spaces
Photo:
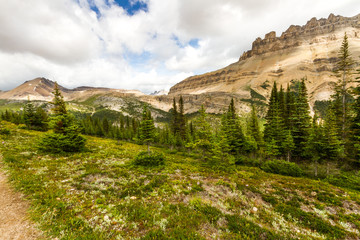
{"x":295,"y":35}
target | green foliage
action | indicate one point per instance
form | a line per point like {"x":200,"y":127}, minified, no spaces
{"x":232,"y":131}
{"x":147,"y":128}
{"x":310,"y":220}
{"x":212,"y":214}
{"x":204,"y":138}
{"x":345,"y":180}
{"x":69,"y":141}
{"x":152,"y":159}
{"x":65,"y":135}
{"x":4,"y":131}
{"x":244,"y":160}
{"x":282,"y":167}
{"x":321,"y":107}
{"x":249,"y":230}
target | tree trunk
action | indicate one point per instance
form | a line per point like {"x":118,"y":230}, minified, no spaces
{"x":316,"y":168}
{"x":327,"y":169}
{"x":148,"y":148}
{"x":288,"y":156}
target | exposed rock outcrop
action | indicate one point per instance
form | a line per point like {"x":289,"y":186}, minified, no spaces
{"x":296,"y":35}
{"x":310,"y":50}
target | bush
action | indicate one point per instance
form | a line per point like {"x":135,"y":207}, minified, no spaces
{"x":282,"y":167}
{"x":152,"y":159}
{"x":345,"y":180}
{"x":4,"y":131}
{"x":243,"y":160}
{"x":58,"y":143}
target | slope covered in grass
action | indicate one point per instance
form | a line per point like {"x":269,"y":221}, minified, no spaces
{"x":100,"y":194}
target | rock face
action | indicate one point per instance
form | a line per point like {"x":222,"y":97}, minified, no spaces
{"x":295,"y":35}
{"x":301,"y":51}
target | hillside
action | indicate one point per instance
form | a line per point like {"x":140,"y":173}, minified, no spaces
{"x":100,"y":194}
{"x":301,"y":51}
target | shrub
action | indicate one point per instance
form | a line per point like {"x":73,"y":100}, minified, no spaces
{"x":4,"y":131}
{"x":152,"y":159}
{"x":248,"y":230}
{"x":57,"y":142}
{"x":243,"y":160}
{"x":346,"y":180}
{"x":282,"y":167}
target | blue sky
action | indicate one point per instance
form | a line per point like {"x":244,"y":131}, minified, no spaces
{"x":131,"y":7}
{"x":146,"y":44}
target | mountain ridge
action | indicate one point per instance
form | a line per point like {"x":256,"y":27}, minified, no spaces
{"x":301,"y":51}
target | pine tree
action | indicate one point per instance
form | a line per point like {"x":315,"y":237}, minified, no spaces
{"x":175,"y":119}
{"x":66,"y":134}
{"x":182,"y":119}
{"x":254,"y":128}
{"x":29,"y":114}
{"x":344,"y":71}
{"x":232,"y":131}
{"x":334,"y":146}
{"x":204,"y":139}
{"x":147,"y":128}
{"x":275,"y":130}
{"x":301,"y":121}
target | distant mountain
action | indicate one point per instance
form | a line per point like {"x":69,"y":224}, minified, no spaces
{"x":159,"y":93}
{"x":41,"y":89}
{"x":301,"y":51}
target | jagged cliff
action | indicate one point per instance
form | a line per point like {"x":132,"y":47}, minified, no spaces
{"x":309,"y":50}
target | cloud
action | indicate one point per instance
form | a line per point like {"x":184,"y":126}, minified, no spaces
{"x":103,"y":43}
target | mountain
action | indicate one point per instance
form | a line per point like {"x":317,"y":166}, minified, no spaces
{"x":301,"y":51}
{"x":41,"y":89}
{"x":159,"y":93}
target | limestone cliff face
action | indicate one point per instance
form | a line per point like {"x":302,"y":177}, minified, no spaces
{"x":310,"y":50}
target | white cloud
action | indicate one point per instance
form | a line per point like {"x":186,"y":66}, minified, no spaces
{"x":66,"y":41}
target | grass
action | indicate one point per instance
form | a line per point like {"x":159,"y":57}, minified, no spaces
{"x":101,"y":194}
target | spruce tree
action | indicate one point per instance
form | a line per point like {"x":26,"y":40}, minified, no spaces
{"x":182,"y":119}
{"x":147,"y":128}
{"x":254,"y":128}
{"x":301,"y":121}
{"x":65,"y":135}
{"x":344,"y":71}
{"x":204,"y":139}
{"x":175,"y":119}
{"x":275,"y":130}
{"x":232,"y":131}
{"x":29,"y":114}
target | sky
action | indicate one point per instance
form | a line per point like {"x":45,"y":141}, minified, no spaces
{"x":146,"y":45}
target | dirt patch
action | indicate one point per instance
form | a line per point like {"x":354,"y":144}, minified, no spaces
{"x":14,"y":220}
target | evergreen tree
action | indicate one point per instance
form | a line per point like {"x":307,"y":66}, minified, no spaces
{"x":232,"y":131}
{"x":344,"y":71}
{"x":66,"y":134}
{"x":147,"y":128}
{"x":254,"y":128}
{"x":334,"y":146}
{"x":29,"y":114}
{"x":182,"y":119}
{"x":301,"y":121}
{"x":175,"y":119}
{"x":275,"y":131}
{"x":204,"y":139}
